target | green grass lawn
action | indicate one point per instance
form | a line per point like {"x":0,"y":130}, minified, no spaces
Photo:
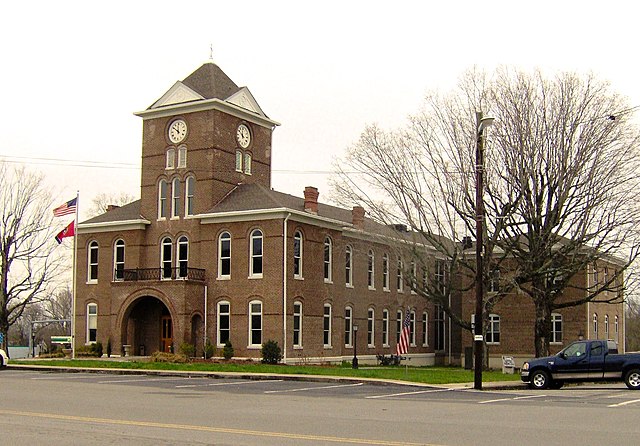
{"x":427,"y":375}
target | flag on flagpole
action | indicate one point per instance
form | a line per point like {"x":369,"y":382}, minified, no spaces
{"x":65,"y":209}
{"x":69,"y":231}
{"x":403,"y":344}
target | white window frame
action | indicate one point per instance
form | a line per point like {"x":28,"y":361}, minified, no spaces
{"x":238,"y":161}
{"x":371,"y":269}
{"x":400,"y":276}
{"x":189,"y":193}
{"x":326,"y":326}
{"x":595,"y":325}
{"x":220,"y":314}
{"x":297,"y":317}
{"x":399,"y":319}
{"x":247,"y":163}
{"x":606,"y":326}
{"x":166,"y":264}
{"x":371,"y":327}
{"x":163,"y":187}
{"x":224,"y":238}
{"x":348,"y":327}
{"x":494,"y":321}
{"x":171,"y":159}
{"x":412,"y":328}
{"x":182,"y":257}
{"x":328,"y":260}
{"x":256,"y":235}
{"x":175,"y":198}
{"x":118,"y":264}
{"x":556,"y":335}
{"x":92,"y":323}
{"x":385,"y":272}
{"x":414,"y":273}
{"x":348,"y":266}
{"x":385,"y":328}
{"x":615,"y":321}
{"x":425,"y":329}
{"x":253,"y":329}
{"x":92,"y":263}
{"x":182,"y":157}
{"x":298,"y":241}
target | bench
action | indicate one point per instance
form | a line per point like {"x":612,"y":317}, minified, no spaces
{"x":389,"y":360}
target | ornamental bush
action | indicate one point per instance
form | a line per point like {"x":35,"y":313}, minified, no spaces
{"x":271,"y":353}
{"x":227,"y":351}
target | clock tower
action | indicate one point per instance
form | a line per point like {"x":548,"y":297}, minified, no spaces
{"x":201,"y":139}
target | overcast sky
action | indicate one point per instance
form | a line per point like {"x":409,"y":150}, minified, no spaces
{"x":73,"y":73}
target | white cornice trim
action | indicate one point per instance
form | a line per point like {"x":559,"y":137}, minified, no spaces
{"x":208,"y":104}
{"x":261,"y":214}
{"x":110,"y":226}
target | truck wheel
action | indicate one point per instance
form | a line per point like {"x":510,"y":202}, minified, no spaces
{"x":632,"y":379}
{"x":539,"y":379}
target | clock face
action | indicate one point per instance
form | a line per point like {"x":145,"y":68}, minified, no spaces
{"x":177,"y":131}
{"x":243,"y":135}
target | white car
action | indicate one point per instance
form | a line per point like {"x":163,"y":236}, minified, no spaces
{"x":4,"y":359}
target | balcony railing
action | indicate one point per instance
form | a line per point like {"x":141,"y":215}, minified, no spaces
{"x":178,"y":273}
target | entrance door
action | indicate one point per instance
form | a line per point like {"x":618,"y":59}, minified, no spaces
{"x":167,"y":336}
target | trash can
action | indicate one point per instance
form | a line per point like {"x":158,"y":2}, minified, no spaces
{"x":508,"y":365}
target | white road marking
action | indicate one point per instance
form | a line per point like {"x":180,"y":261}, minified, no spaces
{"x":511,"y":399}
{"x":313,"y":388}
{"x":63,"y":376}
{"x":115,"y":381}
{"x":624,"y":403}
{"x":237,"y":383}
{"x":408,"y":393}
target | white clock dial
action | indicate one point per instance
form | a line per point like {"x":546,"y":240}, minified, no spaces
{"x":177,"y":131}
{"x":243,"y":135}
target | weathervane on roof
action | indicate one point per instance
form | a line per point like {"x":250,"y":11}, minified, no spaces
{"x":211,"y":52}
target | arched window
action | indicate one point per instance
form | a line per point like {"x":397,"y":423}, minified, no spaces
{"x":92,"y":267}
{"x":328,"y":256}
{"x":425,"y":329}
{"x":385,"y":272}
{"x":616,"y":326}
{"x":255,"y":323}
{"x":224,"y":322}
{"x":255,"y":264}
{"x":556,"y":328}
{"x":166,"y":258}
{"x":606,"y":326}
{"x":412,"y":328}
{"x":400,"y":279}
{"x":189,"y":193}
{"x":398,"y":325}
{"x":171,"y":159}
{"x":385,"y":328}
{"x":92,"y":323}
{"x":183,"y":257}
{"x":348,"y":266}
{"x":297,"y":255}
{"x":182,"y":157}
{"x":595,"y":325}
{"x":371,"y":270}
{"x":371,"y":327}
{"x":414,"y":275}
{"x":348,"y":327}
{"x":175,"y":198}
{"x":297,"y":324}
{"x":162,"y":199}
{"x":493,"y":331}
{"x":118,"y":260}
{"x":326,"y":326}
{"x":247,"y":163}
{"x":238,"y":161}
{"x":224,"y":256}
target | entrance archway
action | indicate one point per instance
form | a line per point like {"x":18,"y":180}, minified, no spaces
{"x":147,"y":327}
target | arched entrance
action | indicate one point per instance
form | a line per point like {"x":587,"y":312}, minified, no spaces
{"x":147,"y":327}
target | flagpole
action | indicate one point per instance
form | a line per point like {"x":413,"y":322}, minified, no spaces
{"x":73,"y":283}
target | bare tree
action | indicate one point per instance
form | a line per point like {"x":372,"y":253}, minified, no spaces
{"x":101,"y":202}
{"x":29,"y":261}
{"x":561,"y":189}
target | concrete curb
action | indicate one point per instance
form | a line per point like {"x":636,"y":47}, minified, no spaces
{"x":503,"y":385}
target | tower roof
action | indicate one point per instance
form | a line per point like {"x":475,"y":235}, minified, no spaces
{"x":211,"y":82}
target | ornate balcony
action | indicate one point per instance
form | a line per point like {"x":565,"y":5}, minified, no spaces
{"x":178,"y":273}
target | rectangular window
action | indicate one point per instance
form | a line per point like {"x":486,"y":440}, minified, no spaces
{"x":412,"y":328}
{"x":119,"y":261}
{"x":371,"y":270}
{"x":182,"y":157}
{"x":439,"y":328}
{"x":493,"y":331}
{"x":92,"y":323}
{"x":348,"y":327}
{"x":400,"y":280}
{"x":238,"y":161}
{"x":385,"y":328}
{"x":255,"y":324}
{"x":162,"y":199}
{"x":247,"y":163}
{"x":327,"y":259}
{"x":224,"y":323}
{"x":171,"y":159}
{"x":556,"y":328}
{"x":297,"y":324}
{"x":385,"y":272}
{"x":425,"y":329}
{"x":370,"y":328}
{"x":348,"y":279}
{"x":441,"y":277}
{"x":327,"y":326}
{"x":175,"y":198}
{"x":398,"y":326}
{"x":190,"y":189}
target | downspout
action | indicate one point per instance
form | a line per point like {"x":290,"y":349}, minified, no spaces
{"x":450,"y":330}
{"x":206,"y":306}
{"x":284,"y":288}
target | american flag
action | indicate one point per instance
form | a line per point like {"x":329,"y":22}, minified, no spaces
{"x":403,"y":345}
{"x":65,"y":209}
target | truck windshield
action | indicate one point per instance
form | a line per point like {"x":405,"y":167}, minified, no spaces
{"x":575,"y":350}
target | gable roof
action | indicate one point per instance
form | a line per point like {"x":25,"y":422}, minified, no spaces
{"x":128,"y":212}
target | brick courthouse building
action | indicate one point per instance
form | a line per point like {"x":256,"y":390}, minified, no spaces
{"x":210,"y":251}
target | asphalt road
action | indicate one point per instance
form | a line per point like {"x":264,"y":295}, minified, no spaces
{"x":106,"y":409}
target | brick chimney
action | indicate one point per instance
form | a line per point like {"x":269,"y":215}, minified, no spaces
{"x":311,"y":200}
{"x":111,"y":207}
{"x":357,"y":217}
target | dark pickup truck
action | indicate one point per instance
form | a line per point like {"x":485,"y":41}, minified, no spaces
{"x":583,"y":361}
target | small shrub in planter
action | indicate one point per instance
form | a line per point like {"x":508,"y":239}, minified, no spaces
{"x":189,"y":350}
{"x":227,"y":351}
{"x":209,"y":350}
{"x":168,"y":357}
{"x":271,"y":353}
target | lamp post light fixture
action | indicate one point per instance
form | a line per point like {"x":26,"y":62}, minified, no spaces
{"x":354,"y":363}
{"x":478,"y":339}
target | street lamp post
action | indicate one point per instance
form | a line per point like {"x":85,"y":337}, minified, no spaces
{"x":481,"y":124}
{"x":354,"y":363}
